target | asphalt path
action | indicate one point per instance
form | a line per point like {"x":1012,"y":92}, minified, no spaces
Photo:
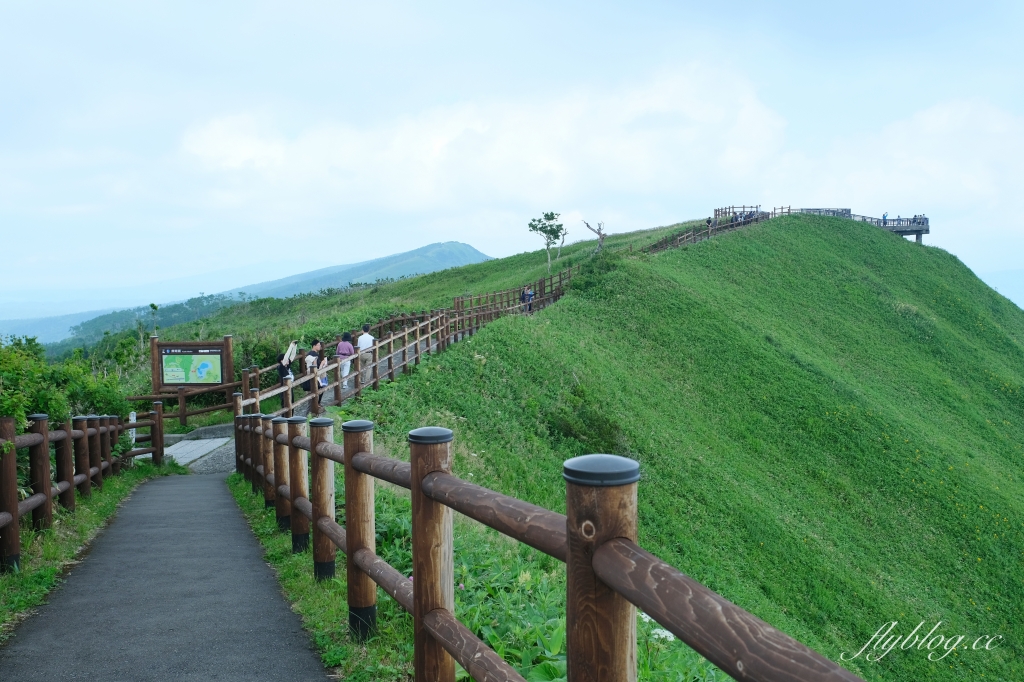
{"x":176,"y":588}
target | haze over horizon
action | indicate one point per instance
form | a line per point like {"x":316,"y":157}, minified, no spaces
{"x":228,"y":138}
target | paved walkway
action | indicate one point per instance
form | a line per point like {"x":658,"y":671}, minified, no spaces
{"x":187,"y":451}
{"x":175,"y":588}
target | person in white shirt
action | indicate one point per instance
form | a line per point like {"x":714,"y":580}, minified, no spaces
{"x":365,"y":345}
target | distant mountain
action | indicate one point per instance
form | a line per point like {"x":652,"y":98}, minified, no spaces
{"x":1010,"y":283}
{"x":65,"y":332}
{"x":47,"y":329}
{"x":431,"y":258}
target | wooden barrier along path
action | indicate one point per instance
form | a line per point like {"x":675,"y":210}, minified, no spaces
{"x":399,"y":343}
{"x":608,"y":574}
{"x":83,"y":456}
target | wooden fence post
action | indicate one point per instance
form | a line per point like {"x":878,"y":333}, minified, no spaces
{"x":360,"y":533}
{"x":155,"y":364}
{"x":357,"y":385}
{"x":247,"y":447}
{"x":10,"y":534}
{"x":95,"y":451}
{"x":324,"y":551}
{"x":267,"y":460}
{"x":39,"y":472}
{"x":255,"y":424}
{"x":600,"y":625}
{"x":282,"y":505}
{"x":65,"y":457}
{"x":115,"y":437}
{"x":182,"y":407}
{"x":105,"y":444}
{"x":375,"y":378}
{"x":239,"y":440}
{"x":337,"y":381}
{"x":298,"y":483}
{"x":286,"y":399}
{"x":157,"y":432}
{"x":432,"y":562}
{"x":245,"y":383}
{"x":82,"y":454}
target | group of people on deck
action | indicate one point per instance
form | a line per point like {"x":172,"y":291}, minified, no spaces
{"x":316,"y":359}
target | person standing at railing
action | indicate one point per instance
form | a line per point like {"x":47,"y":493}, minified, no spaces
{"x":284,"y":362}
{"x":365,"y":344}
{"x":522,"y":300}
{"x":529,"y":299}
{"x":344,"y":352}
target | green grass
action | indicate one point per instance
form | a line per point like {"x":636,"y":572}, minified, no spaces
{"x":827,"y":417}
{"x":46,"y":555}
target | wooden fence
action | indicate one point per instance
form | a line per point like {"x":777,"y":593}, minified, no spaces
{"x":609,"y":575}
{"x":83,"y":457}
{"x":726,"y":219}
{"x":399,"y":341}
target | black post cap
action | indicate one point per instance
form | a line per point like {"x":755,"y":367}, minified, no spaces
{"x":38,"y":417}
{"x":279,"y":420}
{"x":296,"y":420}
{"x":80,"y":418}
{"x":430,"y":435}
{"x":321,"y":421}
{"x":256,"y":415}
{"x":357,"y":426}
{"x":238,"y":393}
{"x":601,"y":470}
{"x":94,"y":416}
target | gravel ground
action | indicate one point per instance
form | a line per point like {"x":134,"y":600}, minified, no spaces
{"x":221,"y":460}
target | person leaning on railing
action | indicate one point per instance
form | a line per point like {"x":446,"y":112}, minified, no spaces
{"x":284,"y":363}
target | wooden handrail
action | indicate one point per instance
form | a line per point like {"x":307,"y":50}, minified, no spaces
{"x":730,"y":637}
{"x":738,"y":642}
{"x":83,"y":457}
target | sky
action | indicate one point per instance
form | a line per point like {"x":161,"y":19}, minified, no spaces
{"x":153,"y":151}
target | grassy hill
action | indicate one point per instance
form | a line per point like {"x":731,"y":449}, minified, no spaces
{"x":827,"y":417}
{"x":262,"y":327}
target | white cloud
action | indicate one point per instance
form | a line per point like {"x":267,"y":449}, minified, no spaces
{"x":647,"y":139}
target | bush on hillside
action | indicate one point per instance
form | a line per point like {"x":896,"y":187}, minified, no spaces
{"x":29,"y":385}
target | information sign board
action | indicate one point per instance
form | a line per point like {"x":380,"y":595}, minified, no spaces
{"x":191,"y":365}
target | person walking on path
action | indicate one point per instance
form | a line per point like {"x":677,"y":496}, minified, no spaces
{"x":365,"y":344}
{"x":522,"y":300}
{"x":316,"y":359}
{"x":344,"y":352}
{"x":529,"y":299}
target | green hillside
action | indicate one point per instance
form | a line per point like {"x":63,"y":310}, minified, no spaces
{"x":827,"y":417}
{"x":262,"y":327}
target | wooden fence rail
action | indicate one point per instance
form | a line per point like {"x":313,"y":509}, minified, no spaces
{"x":83,"y":457}
{"x":609,"y":575}
{"x":399,"y":342}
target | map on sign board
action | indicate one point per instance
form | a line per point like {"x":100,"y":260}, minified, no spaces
{"x":192,"y":368}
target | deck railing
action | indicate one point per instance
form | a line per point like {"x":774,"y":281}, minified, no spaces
{"x":83,"y":457}
{"x":608,"y":574}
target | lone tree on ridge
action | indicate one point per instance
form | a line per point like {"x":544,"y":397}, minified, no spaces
{"x":599,"y":232}
{"x":549,"y":231}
